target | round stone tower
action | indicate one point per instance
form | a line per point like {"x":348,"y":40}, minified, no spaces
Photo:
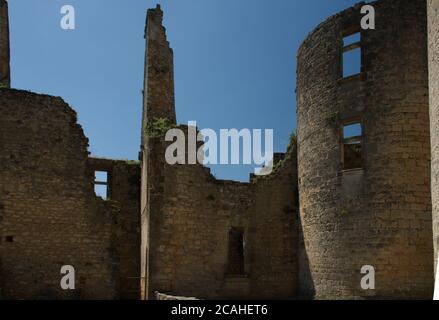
{"x":364,"y":155}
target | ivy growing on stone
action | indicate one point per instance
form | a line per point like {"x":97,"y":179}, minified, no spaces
{"x":158,"y":127}
{"x":293,"y":139}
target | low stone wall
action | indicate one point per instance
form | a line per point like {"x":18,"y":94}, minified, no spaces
{"x":162,"y":296}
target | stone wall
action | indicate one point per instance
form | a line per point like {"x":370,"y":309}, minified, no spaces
{"x":159,"y":100}
{"x":380,"y":214}
{"x":274,"y":230}
{"x":158,"y":103}
{"x":5,"y":78}
{"x":170,"y":225}
{"x":433,"y":34}
{"x":188,"y":246}
{"x":187,"y":214}
{"x":50,"y":216}
{"x":124,"y":186}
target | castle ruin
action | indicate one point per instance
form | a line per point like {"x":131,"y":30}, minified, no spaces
{"x":331,"y":205}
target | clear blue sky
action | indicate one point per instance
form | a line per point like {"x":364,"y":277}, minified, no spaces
{"x":235,"y":64}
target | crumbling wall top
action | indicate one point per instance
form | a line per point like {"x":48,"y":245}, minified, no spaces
{"x":154,"y":23}
{"x":340,"y":15}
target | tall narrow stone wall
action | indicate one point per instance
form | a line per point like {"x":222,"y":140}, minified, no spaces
{"x":5,"y":76}
{"x":379,"y":214}
{"x":433,"y":41}
{"x":158,"y":104}
{"x":158,"y":92}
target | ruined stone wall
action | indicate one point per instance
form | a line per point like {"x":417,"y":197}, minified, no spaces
{"x":5,"y":78}
{"x":274,"y":231}
{"x":188,"y":250}
{"x":378,"y":215}
{"x":50,"y":216}
{"x":124,"y":189}
{"x":187,"y":214}
{"x":158,"y":103}
{"x":433,"y":40}
{"x":159,"y":100}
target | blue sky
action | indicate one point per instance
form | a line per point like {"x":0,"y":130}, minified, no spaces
{"x":235,"y":64}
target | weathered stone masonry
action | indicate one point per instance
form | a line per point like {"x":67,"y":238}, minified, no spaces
{"x":433,"y":35}
{"x":173,"y":231}
{"x":158,"y":103}
{"x":124,"y":190}
{"x":379,"y":214}
{"x":49,"y":214}
{"x":187,"y":214}
{"x":188,"y":250}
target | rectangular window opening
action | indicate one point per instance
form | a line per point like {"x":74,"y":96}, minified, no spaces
{"x":101,"y":185}
{"x":352,"y":39}
{"x":236,"y":249}
{"x":352,"y":130}
{"x":352,"y":146}
{"x":351,"y":60}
